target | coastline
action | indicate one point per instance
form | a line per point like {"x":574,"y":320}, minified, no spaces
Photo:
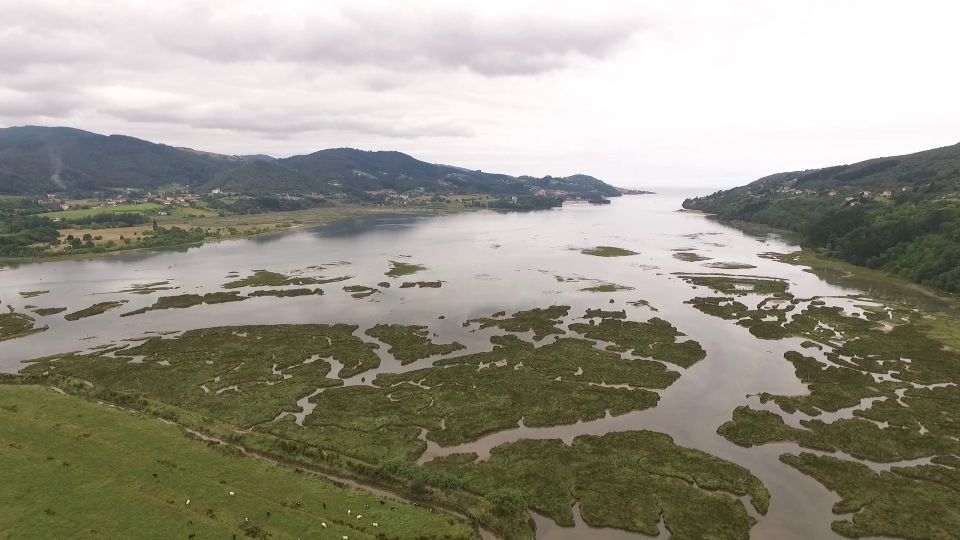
{"x":293,"y":221}
{"x":839,"y":272}
{"x":694,"y":212}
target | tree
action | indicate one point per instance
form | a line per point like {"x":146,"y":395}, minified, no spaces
{"x":418,"y":487}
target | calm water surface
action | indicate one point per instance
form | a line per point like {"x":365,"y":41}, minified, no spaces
{"x":489,"y":262}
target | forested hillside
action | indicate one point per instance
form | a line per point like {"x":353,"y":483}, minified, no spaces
{"x":899,"y":214}
{"x":40,"y":159}
{"x":36,"y":160}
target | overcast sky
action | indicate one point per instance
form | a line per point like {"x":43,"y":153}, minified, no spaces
{"x":638,"y":93}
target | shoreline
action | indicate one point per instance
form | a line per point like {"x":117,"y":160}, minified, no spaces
{"x":840,"y":272}
{"x":694,"y":212}
{"x":356,"y":212}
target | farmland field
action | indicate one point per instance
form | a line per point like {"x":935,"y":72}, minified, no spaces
{"x":118,"y":209}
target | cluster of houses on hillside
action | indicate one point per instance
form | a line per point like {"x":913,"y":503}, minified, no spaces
{"x":54,"y":199}
{"x":855,"y":200}
{"x":558,"y":193}
{"x":180,"y":199}
{"x":388,"y":196}
{"x":833,"y":193}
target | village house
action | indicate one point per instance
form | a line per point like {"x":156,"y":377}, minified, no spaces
{"x":551,"y":193}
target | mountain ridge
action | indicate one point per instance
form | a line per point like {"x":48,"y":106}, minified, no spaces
{"x":38,"y":159}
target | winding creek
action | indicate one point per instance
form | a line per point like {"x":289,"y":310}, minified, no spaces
{"x":488,"y":262}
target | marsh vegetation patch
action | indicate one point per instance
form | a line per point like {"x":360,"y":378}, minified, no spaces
{"x":654,"y":338}
{"x":32,"y":294}
{"x":409,"y":343}
{"x":420,"y":284}
{"x":400,"y":268}
{"x":460,"y":399}
{"x":727,"y":265}
{"x":541,"y":321}
{"x":608,"y":251}
{"x":46,"y":312}
{"x":94,"y":310}
{"x":689,"y":256}
{"x":286,"y":293}
{"x":628,"y":480}
{"x":244,"y":375}
{"x":891,"y":386}
{"x":147,"y":288}
{"x":265,"y":278}
{"x":737,"y":285}
{"x":183,"y":301}
{"x":15,"y":325}
{"x":607,"y":288}
{"x":904,"y":502}
{"x":360,"y":291}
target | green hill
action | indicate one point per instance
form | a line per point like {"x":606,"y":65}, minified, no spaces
{"x":261,"y":177}
{"x":36,"y":160}
{"x":900,"y":214}
{"x":39,"y":159}
{"x":347,"y":169}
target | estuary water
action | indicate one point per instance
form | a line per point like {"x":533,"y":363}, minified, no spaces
{"x":488,"y":262}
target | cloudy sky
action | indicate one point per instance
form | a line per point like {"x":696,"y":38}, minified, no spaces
{"x":639,"y":93}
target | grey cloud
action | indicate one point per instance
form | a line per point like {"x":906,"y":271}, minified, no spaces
{"x":394,"y":39}
{"x":510,"y":45}
{"x":15,"y":104}
{"x":283,"y":123}
{"x":22,"y":47}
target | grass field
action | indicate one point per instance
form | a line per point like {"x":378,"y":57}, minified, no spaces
{"x":119,"y":209}
{"x":70,"y":468}
{"x":115,"y":234}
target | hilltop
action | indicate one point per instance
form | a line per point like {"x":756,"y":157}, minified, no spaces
{"x":35,"y":160}
{"x":900,"y":214}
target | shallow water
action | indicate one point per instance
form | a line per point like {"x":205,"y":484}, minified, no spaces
{"x":489,"y":262}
